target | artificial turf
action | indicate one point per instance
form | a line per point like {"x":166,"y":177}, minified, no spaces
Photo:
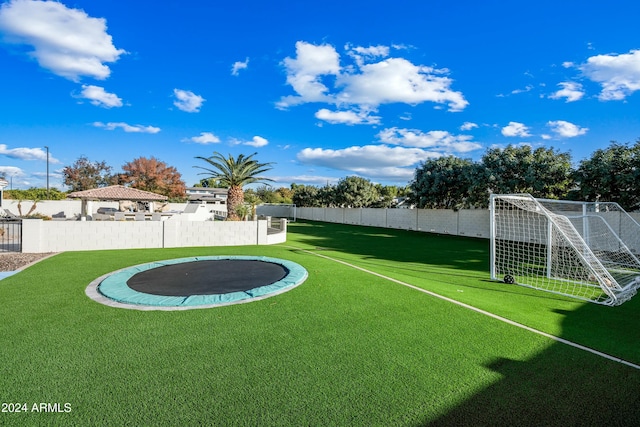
{"x":343,"y":348}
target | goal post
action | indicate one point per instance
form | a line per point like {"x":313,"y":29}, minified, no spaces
{"x":583,"y":250}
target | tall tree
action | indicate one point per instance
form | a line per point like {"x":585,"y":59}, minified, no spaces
{"x":443,"y":183}
{"x":327,"y":196}
{"x":355,"y":192}
{"x":208,"y":183}
{"x":153,"y":175}
{"x":543,"y":172}
{"x":611,"y":174}
{"x":387,"y":196}
{"x":234,"y":173}
{"x":305,"y":196}
{"x":86,"y":175}
{"x":267,"y":194}
{"x":285,"y":195}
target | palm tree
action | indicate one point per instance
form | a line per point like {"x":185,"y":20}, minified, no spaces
{"x":234,"y":174}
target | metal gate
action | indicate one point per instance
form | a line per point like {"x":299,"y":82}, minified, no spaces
{"x":10,"y":235}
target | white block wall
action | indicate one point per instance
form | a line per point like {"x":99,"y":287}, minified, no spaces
{"x":474,"y":223}
{"x":353,"y":216}
{"x":40,"y":236}
{"x":374,"y":217}
{"x":466,"y":222}
{"x":471,"y":222}
{"x":318,"y":214}
{"x":443,"y":221}
{"x":404,"y":219}
{"x":334,"y":215}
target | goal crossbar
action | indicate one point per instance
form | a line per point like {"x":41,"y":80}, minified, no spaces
{"x":583,"y":250}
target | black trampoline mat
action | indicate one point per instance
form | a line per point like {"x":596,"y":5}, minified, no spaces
{"x":208,"y":277}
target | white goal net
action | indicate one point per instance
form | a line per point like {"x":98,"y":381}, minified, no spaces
{"x":583,"y":250}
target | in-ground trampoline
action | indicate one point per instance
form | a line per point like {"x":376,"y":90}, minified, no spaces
{"x":196,"y":282}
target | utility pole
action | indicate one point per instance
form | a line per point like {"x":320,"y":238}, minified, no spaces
{"x":47,"y":171}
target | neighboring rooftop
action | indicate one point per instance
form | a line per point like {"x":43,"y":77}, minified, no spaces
{"x":207,"y":194}
{"x":117,"y":192}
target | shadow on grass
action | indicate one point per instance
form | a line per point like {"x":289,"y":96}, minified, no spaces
{"x":404,"y":246}
{"x":561,"y":386}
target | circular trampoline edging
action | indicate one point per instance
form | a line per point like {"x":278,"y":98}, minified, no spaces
{"x":112,"y":289}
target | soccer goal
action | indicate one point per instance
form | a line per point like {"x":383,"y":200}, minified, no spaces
{"x":588,"y":251}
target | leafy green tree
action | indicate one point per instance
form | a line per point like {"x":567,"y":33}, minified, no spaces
{"x":208,"y":183}
{"x":34,"y":193}
{"x":267,"y":194}
{"x":611,"y":174}
{"x":86,"y":175}
{"x":443,"y":183}
{"x":285,"y":195}
{"x":543,"y":172}
{"x":234,"y":173}
{"x":386,"y":196}
{"x":355,"y":192}
{"x":305,"y":196}
{"x":327,"y":196}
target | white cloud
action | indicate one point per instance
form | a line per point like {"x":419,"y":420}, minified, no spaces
{"x":257,"y":141}
{"x":347,"y":117}
{"x":468,"y":126}
{"x":126,"y":127}
{"x":316,"y":180}
{"x":527,"y":88}
{"x":619,"y":75}
{"x":571,"y":91}
{"x":99,"y":97}
{"x":392,"y":80}
{"x":566,"y":129}
{"x":363,"y":54}
{"x":239,"y":65}
{"x":11,"y":171}
{"x":304,"y":73}
{"x":204,"y":138}
{"x":396,"y":80}
{"x":516,"y":129}
{"x":65,"y":41}
{"x":436,"y":139}
{"x":369,"y":52}
{"x":369,"y":160}
{"x":24,"y":153}
{"x":187,"y":101}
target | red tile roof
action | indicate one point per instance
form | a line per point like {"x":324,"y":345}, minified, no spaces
{"x":117,"y":192}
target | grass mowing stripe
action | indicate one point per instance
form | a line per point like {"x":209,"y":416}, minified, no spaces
{"x":486,"y":313}
{"x":458,"y":267}
{"x":345,"y":348}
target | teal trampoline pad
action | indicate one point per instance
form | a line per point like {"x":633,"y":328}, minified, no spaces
{"x":222,"y":280}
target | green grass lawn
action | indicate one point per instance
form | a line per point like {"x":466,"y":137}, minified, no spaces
{"x":344,"y":348}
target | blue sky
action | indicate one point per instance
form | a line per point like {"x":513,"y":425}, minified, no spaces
{"x":324,"y":90}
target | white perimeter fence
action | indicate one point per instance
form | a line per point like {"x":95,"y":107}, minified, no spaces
{"x":465,"y":222}
{"x":40,"y":236}
{"x":470,"y":222}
